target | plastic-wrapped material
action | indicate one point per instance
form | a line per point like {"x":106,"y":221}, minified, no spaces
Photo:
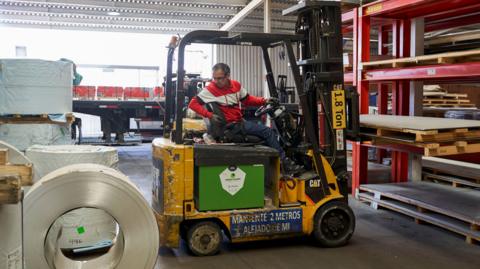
{"x":96,"y":226}
{"x":11,"y":236}
{"x":46,"y":159}
{"x":32,"y":86}
{"x":22,"y":136}
{"x":90,"y":186}
{"x":14,"y":155}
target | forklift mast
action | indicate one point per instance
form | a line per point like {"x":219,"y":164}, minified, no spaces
{"x":319,"y":81}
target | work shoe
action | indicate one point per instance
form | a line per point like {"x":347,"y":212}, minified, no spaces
{"x":290,"y":167}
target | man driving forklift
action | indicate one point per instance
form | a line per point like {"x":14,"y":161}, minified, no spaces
{"x":225,"y":97}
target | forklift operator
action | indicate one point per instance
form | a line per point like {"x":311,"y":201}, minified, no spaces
{"x":231,"y":96}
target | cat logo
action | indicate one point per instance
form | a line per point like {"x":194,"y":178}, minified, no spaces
{"x":314,"y":183}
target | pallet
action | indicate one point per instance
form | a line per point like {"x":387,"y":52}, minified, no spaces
{"x":453,"y":105}
{"x":453,"y":209}
{"x":10,"y":189}
{"x":444,"y":95}
{"x":24,"y":171}
{"x":420,"y":129}
{"x":458,"y":147}
{"x":34,"y":119}
{"x":12,"y":177}
{"x":416,"y":136}
{"x":434,"y":101}
{"x":442,"y":58}
{"x":455,"y":182}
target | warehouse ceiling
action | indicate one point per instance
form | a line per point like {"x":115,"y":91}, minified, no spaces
{"x":150,"y":16}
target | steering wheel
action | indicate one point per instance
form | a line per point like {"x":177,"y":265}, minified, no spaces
{"x":263,"y":110}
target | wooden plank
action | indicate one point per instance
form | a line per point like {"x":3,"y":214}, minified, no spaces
{"x":23,"y":170}
{"x":415,"y":124}
{"x":34,"y":119}
{"x":3,"y":156}
{"x":445,"y":136}
{"x":436,"y":219}
{"x":452,"y":105}
{"x":458,"y":203}
{"x":445,"y":101}
{"x":463,"y":169}
{"x":460,"y":147}
{"x":454,"y":135}
{"x":440,"y":58}
{"x":10,"y":189}
{"x":456,"y":95}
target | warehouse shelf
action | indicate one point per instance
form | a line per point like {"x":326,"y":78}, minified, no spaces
{"x":395,"y":18}
{"x":458,"y":73}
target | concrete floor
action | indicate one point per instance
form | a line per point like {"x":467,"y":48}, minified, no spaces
{"x":382,"y":239}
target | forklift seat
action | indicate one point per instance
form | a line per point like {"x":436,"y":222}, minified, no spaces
{"x":232,"y":133}
{"x":229,"y":132}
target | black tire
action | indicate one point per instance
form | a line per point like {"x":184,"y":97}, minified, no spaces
{"x":334,"y":224}
{"x":204,"y":238}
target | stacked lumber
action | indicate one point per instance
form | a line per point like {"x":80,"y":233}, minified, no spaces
{"x":434,"y":96}
{"x":425,"y":135}
{"x":12,"y":178}
{"x":432,"y":59}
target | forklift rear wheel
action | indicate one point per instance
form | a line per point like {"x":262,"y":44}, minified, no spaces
{"x":204,"y":238}
{"x":334,"y":224}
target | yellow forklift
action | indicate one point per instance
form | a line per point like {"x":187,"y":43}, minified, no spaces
{"x":238,"y":189}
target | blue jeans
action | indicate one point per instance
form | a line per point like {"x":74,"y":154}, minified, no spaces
{"x":265,"y":133}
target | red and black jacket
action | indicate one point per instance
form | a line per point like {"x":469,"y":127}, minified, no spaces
{"x":230,"y":100}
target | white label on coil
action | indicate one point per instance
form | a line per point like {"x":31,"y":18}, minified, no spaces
{"x":340,"y":140}
{"x":14,"y":259}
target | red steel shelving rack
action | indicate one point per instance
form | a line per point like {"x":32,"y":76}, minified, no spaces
{"x":396,"y":16}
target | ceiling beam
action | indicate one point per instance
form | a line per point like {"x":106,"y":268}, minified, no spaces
{"x":95,"y":19}
{"x":99,"y":11}
{"x":241,"y":15}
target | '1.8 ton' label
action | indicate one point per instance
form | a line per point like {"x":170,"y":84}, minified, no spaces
{"x":338,"y":108}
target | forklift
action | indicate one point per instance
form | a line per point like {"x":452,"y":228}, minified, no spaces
{"x":237,"y":188}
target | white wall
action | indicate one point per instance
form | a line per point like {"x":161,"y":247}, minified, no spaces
{"x":246,"y":64}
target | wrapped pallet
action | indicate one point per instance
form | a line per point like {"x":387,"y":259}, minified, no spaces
{"x":22,"y":136}
{"x":32,"y":87}
{"x":46,"y":159}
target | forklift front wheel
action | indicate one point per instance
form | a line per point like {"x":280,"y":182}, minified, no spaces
{"x":334,"y":224}
{"x":204,"y":238}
